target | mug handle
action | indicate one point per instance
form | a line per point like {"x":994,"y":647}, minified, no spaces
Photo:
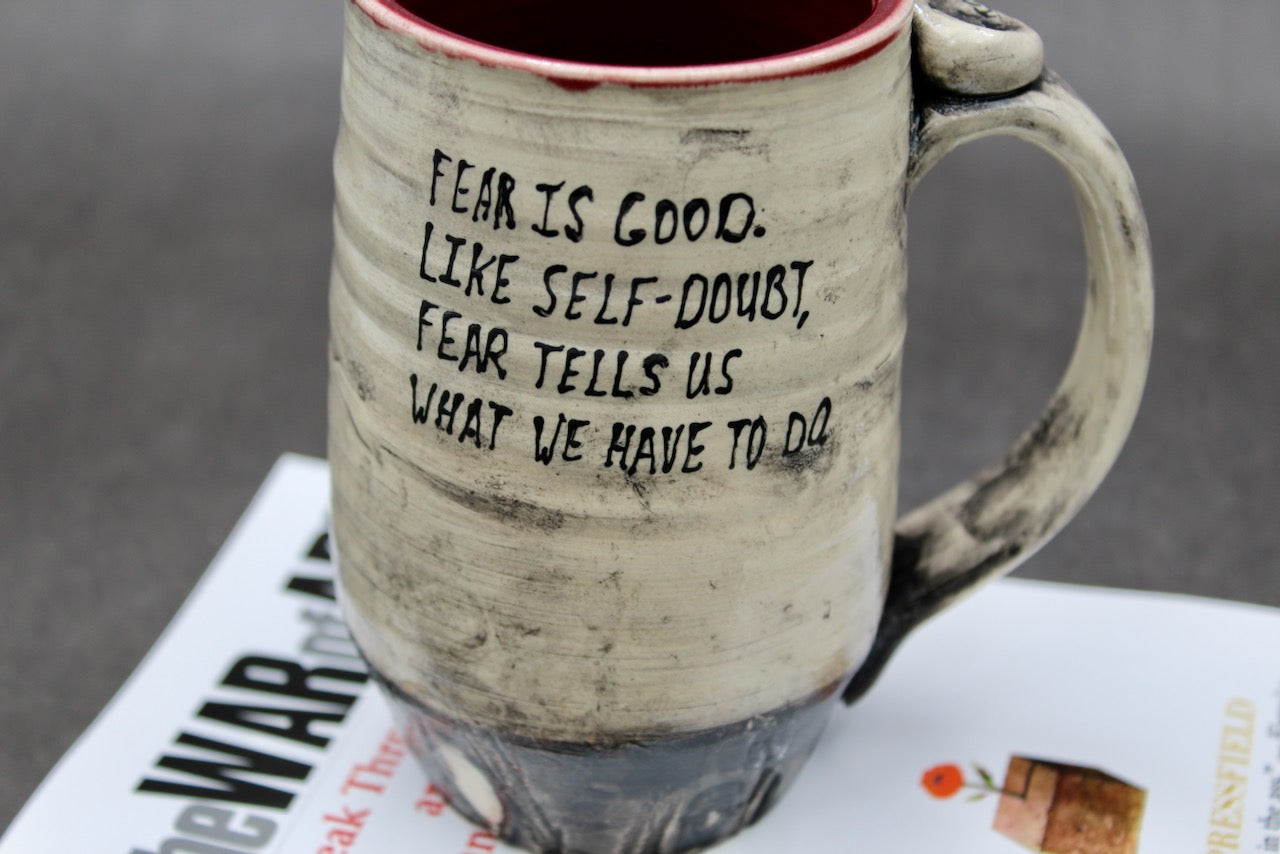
{"x":980,"y":73}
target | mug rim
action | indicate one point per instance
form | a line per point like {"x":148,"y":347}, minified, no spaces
{"x":849,"y":48}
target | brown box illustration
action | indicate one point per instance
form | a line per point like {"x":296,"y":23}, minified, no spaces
{"x":1055,"y":808}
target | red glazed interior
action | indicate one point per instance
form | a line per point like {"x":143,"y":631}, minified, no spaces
{"x":582,"y":43}
{"x":652,"y":33}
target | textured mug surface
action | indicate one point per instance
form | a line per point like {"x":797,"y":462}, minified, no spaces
{"x":614,"y":416}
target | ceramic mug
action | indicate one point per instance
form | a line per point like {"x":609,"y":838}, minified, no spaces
{"x":617,"y":322}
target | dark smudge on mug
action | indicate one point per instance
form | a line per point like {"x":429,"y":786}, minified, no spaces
{"x":653,"y":33}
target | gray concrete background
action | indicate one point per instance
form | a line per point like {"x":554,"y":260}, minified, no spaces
{"x":164,"y":244}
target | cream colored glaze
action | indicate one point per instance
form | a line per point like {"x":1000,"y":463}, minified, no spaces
{"x":571,"y":601}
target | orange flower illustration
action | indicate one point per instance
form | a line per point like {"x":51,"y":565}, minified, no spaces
{"x":943,"y":781}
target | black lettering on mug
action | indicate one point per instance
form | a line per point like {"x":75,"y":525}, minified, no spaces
{"x":766,"y":294}
{"x":699,"y":380}
{"x":548,"y":190}
{"x":650,"y":450}
{"x":545,"y":452}
{"x":731,"y":207}
{"x":576,"y":198}
{"x":805,"y":432}
{"x":635,"y":235}
{"x":486,"y":202}
{"x":447,"y":404}
{"x":757,"y":431}
{"x":575,"y":294}
{"x":736,"y":216}
{"x":480,"y":264}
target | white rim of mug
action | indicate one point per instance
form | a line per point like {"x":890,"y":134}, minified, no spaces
{"x":886,"y":20}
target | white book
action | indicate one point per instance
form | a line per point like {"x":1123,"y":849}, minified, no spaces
{"x":1028,"y":710}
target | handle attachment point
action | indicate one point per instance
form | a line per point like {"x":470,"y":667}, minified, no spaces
{"x":969,"y":48}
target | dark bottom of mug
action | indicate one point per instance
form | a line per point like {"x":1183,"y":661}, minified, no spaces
{"x":658,"y":794}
